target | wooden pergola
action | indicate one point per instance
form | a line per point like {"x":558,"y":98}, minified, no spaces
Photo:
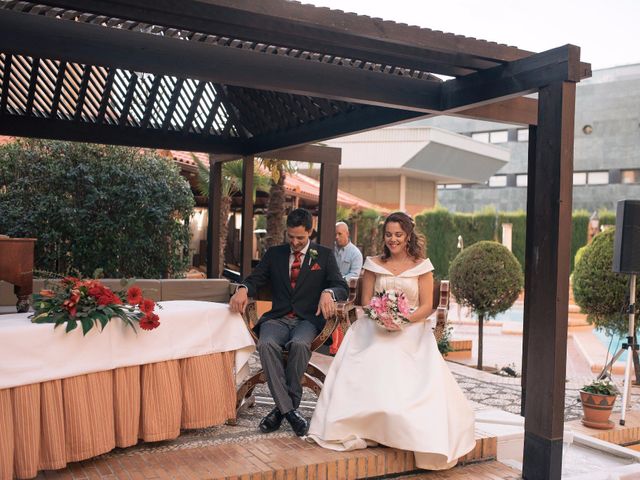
{"x":242,"y":78}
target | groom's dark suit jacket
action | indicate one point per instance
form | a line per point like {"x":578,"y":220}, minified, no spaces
{"x":316,"y":274}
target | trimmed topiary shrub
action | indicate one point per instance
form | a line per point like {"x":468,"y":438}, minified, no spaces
{"x":601,"y":293}
{"x":487,"y":278}
{"x":96,"y":206}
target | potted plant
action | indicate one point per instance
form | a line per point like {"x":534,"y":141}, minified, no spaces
{"x":597,"y":399}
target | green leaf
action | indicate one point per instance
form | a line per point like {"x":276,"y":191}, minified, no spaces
{"x":87,"y":324}
{"x":71,"y":325}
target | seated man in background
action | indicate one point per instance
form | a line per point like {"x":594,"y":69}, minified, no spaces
{"x":347,"y":254}
{"x":349,"y":261}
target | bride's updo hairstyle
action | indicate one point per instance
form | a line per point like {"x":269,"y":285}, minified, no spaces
{"x":416,"y":243}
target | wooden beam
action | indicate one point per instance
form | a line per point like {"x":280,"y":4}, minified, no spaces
{"x":106,"y":92}
{"x":56,"y":129}
{"x":308,"y":153}
{"x":328,"y":204}
{"x":316,"y":30}
{"x":214,"y":226}
{"x":193,"y":108}
{"x":151,"y":101}
{"x":521,"y":111}
{"x":246,"y":233}
{"x":548,"y":252}
{"x":35,"y":67}
{"x":513,"y":79}
{"x":128,"y":99}
{"x":85,"y":43}
{"x":175,"y":95}
{"x":6,"y":76}
{"x":82,"y":92}
{"x":360,"y":120}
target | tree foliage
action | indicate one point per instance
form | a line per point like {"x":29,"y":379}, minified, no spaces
{"x":601,"y":293}
{"x":486,"y":277}
{"x":96,"y":206}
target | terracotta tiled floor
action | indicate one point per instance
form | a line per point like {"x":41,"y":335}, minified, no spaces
{"x":273,"y":458}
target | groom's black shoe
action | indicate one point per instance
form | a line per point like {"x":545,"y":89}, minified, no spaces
{"x":297,"y":422}
{"x":271,"y":422}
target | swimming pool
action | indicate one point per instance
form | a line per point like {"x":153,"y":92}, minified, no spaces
{"x":613,"y":344}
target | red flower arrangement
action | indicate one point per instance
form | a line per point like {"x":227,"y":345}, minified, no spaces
{"x":90,"y":303}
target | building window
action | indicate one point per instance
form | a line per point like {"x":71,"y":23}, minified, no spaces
{"x":481,"y":137}
{"x":579,"y":178}
{"x":498,"y":181}
{"x":630,"y":176}
{"x":440,"y":186}
{"x":521,"y":180}
{"x":453,"y":186}
{"x":501,"y":136}
{"x":598,"y":178}
{"x":523,"y":134}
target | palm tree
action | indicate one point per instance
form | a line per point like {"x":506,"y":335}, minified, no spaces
{"x":276,"y":207}
{"x":231,"y":184}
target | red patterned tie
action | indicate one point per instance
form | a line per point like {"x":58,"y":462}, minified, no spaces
{"x":295,"y":268}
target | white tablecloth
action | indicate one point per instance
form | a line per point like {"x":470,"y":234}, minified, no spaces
{"x":32,"y":353}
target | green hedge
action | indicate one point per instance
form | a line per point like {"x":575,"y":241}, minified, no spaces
{"x":96,"y":206}
{"x":442,"y":228}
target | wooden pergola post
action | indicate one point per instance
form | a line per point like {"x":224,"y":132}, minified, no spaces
{"x":328,"y":204}
{"x":214,"y":222}
{"x":548,"y":251}
{"x":246,"y":233}
{"x":530,"y":225}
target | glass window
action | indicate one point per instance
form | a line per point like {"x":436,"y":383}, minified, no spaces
{"x":598,"y":178}
{"x":630,"y":176}
{"x":523,"y":135}
{"x":579,"y":178}
{"x":501,"y":136}
{"x":521,"y":180}
{"x":440,"y":187}
{"x":498,"y":181}
{"x":451,"y":186}
{"x":481,"y":137}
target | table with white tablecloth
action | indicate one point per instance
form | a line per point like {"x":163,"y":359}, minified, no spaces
{"x":66,"y":397}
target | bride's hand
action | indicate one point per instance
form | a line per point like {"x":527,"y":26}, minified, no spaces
{"x":389,"y":323}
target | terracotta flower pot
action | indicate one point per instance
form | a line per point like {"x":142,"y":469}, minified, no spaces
{"x":597,"y":409}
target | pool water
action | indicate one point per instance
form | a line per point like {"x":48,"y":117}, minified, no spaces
{"x":516,"y":314}
{"x":512,"y":315}
{"x":613,"y":344}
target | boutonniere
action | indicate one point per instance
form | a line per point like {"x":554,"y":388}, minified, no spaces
{"x":313,"y":255}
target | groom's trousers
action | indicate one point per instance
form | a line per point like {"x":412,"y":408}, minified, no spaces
{"x":295,"y":336}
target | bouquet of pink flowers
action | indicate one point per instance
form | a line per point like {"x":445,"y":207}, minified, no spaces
{"x":389,"y":309}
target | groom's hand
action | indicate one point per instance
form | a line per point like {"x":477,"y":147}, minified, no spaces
{"x":239,"y":301}
{"x":327,"y":306}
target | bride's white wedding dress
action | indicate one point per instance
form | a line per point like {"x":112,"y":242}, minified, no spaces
{"x":394,"y":388}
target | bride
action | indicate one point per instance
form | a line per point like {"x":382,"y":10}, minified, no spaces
{"x":393,"y":387}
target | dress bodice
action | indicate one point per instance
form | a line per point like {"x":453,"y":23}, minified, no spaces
{"x":406,"y":281}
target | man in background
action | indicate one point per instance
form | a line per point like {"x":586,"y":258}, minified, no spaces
{"x":347,"y":254}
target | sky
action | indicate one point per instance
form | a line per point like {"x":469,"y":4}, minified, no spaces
{"x":608,"y":32}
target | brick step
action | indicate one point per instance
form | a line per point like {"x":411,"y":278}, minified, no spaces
{"x":270,"y":458}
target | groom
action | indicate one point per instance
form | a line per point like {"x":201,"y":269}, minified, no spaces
{"x":305,"y":284}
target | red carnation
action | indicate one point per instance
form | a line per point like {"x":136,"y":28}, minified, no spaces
{"x":147,"y":305}
{"x":150,"y":321}
{"x":134,"y":296}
